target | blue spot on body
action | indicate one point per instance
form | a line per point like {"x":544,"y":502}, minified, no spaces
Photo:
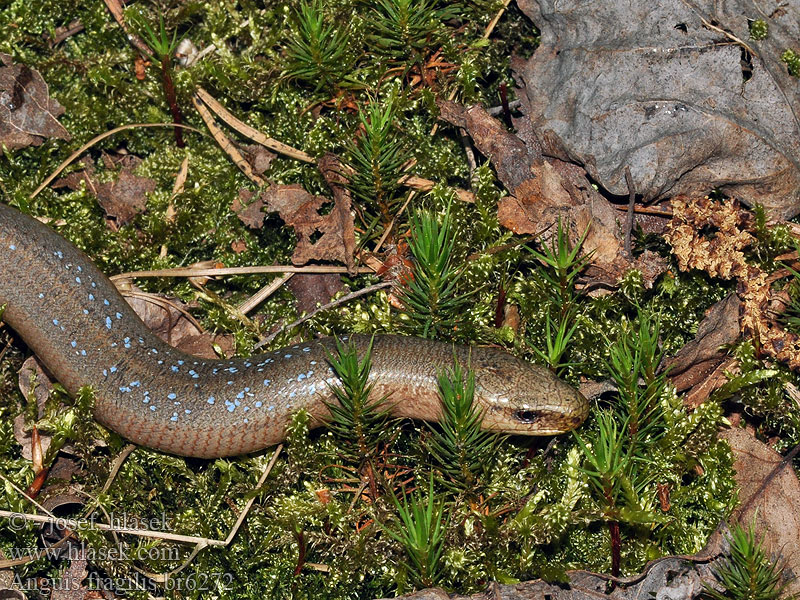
{"x":77,"y":279}
{"x":94,"y":285}
{"x":258,"y":403}
{"x":91,"y":296}
{"x":119,"y":315}
{"x":287,"y":356}
{"x":267,"y":382}
{"x":174,"y":368}
{"x":240,"y":395}
{"x":113,"y":369}
{"x":55,"y":321}
{"x":41,"y":295}
{"x":211,"y":399}
{"x":306,"y":349}
{"x":105,"y":372}
{"x":152,"y":407}
{"x":180,"y":362}
{"x":73,"y":343}
{"x":172,"y":395}
{"x":108,"y":322}
{"x":86,"y":312}
{"x":187,"y":411}
{"x":174,"y":417}
{"x":106,"y":302}
{"x":12,"y":247}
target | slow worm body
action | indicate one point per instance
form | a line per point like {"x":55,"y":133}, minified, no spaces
{"x":82,"y":329}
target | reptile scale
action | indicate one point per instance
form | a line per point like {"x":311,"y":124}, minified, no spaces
{"x":81,"y":328}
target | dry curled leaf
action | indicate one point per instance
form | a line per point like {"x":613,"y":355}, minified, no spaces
{"x":28,"y":115}
{"x":694,"y":362}
{"x":320,"y":237}
{"x":676,"y":91}
{"x":121,"y":199}
{"x":769,"y":497}
{"x":124,"y":198}
{"x":33,"y":380}
{"x":313,"y":289}
{"x":545,"y":189}
{"x":170,"y":320}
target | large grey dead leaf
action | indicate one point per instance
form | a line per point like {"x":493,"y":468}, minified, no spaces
{"x":665,"y":89}
{"x":27,"y":112}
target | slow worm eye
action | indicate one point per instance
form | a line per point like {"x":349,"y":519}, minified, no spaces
{"x":526,"y":416}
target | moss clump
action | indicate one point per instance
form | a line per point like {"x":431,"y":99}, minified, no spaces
{"x":317,"y":76}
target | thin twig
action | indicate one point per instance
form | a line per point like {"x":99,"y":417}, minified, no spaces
{"x":264,"y":293}
{"x":205,"y":272}
{"x":629,"y":217}
{"x":116,"y":11}
{"x":76,"y":525}
{"x":247,"y":131}
{"x":362,"y":292}
{"x":117,"y":464}
{"x":252,"y":499}
{"x":99,"y":138}
{"x":226,"y":145}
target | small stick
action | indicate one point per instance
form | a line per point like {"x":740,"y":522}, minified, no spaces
{"x":96,"y":139}
{"x":264,"y":293}
{"x":147,"y":533}
{"x":205,"y":272}
{"x":629,"y":218}
{"x":362,"y":292}
{"x":226,"y":144}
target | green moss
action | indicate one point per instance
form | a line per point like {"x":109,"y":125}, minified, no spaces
{"x":534,"y":518}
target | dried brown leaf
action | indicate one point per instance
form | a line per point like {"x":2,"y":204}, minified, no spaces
{"x":694,"y":362}
{"x":544,"y":190}
{"x":313,"y":289}
{"x":124,"y":198}
{"x":771,"y":499}
{"x":28,"y":115}
{"x":169,"y":320}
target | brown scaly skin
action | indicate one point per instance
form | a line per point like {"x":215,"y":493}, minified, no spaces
{"x":77,"y":323}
